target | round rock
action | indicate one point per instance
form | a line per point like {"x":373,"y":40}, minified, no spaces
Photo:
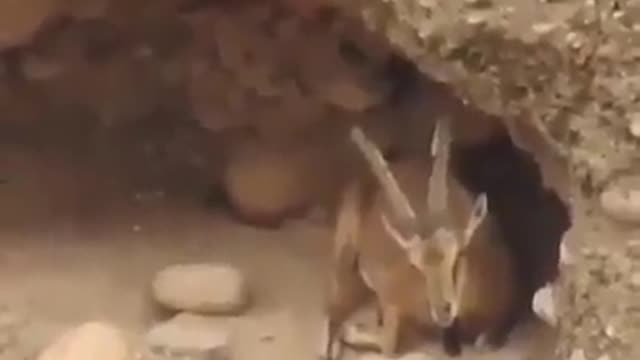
{"x":95,"y":340}
{"x":201,"y":288}
{"x":621,"y":201}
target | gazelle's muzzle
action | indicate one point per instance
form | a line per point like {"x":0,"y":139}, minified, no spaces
{"x":443,"y":315}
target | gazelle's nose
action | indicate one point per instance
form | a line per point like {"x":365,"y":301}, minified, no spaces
{"x":446,"y":309}
{"x":443,"y":314}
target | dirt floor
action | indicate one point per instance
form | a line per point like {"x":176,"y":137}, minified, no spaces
{"x":83,"y":235}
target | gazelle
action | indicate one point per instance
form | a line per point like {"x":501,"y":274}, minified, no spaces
{"x":446,"y":269}
{"x":347,"y":289}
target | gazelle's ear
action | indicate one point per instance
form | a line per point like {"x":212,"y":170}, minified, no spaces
{"x":477,"y":216}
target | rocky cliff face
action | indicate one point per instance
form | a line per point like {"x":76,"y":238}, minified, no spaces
{"x":568,"y":71}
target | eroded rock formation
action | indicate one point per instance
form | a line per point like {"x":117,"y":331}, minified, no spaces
{"x":568,"y":69}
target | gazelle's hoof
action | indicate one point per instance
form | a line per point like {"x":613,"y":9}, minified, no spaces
{"x":324,"y":353}
{"x":357,"y":336}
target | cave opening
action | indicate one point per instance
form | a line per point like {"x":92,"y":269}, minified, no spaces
{"x":533,"y":218}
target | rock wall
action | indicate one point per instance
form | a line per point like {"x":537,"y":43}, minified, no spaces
{"x":563,"y":77}
{"x":264,"y":80}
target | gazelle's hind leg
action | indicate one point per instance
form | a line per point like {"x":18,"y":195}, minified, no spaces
{"x":347,"y":290}
{"x":332,"y":350}
{"x":348,"y":293}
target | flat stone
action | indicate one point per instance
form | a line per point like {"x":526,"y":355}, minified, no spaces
{"x":201,"y":288}
{"x":188,"y":336}
{"x":408,"y":356}
{"x":94,"y":340}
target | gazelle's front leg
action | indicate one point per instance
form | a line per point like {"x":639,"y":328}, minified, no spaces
{"x":385,"y":339}
{"x":344,"y":299}
{"x":390,"y":334}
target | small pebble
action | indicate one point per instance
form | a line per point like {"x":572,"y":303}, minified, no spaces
{"x":634,"y":125}
{"x":201,"y":288}
{"x":566,"y":258}
{"x":577,"y":354}
{"x":635,"y":280}
{"x":543,"y":305}
{"x":543,"y":28}
{"x":610,"y":331}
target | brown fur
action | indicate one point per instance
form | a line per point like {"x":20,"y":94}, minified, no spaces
{"x":395,"y":282}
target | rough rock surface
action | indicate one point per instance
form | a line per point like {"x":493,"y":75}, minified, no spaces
{"x":190,"y":337}
{"x":567,"y":69}
{"x":201,"y":288}
{"x":98,"y":341}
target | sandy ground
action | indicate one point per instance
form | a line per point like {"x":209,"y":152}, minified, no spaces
{"x":79,"y":243}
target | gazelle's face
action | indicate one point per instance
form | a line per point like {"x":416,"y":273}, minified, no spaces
{"x":439,"y":256}
{"x":438,"y":259}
